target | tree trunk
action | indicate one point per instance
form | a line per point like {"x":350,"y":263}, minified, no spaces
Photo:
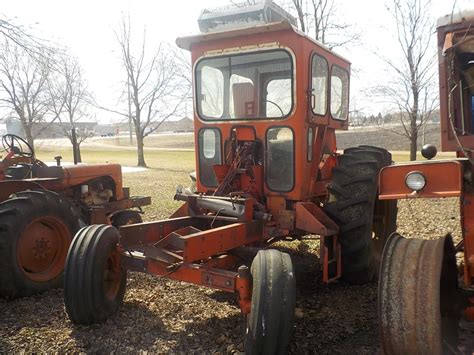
{"x":29,"y":136}
{"x":413,"y":137}
{"x":413,"y":149}
{"x":413,"y":119}
{"x":78,"y":153}
{"x":140,"y":152}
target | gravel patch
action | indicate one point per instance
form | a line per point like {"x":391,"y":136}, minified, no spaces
{"x":161,"y":315}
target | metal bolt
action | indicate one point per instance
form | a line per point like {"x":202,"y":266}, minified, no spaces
{"x":243,"y":271}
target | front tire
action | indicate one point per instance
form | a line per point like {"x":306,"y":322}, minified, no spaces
{"x":95,"y":281}
{"x":270,"y":322}
{"x":36,"y":229}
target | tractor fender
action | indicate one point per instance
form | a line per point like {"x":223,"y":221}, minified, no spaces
{"x":9,"y":187}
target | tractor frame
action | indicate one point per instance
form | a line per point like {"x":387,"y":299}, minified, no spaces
{"x":267,"y":102}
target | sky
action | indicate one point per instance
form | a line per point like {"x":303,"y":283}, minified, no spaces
{"x":86,"y":27}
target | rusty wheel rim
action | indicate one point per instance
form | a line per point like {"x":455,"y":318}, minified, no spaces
{"x":112,"y":276}
{"x":42,"y":248}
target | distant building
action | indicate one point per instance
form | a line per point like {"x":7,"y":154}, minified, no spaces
{"x":183,"y":125}
{"x":107,"y":129}
{"x":47,"y":130}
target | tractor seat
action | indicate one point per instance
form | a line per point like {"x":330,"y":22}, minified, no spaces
{"x":18,"y":172}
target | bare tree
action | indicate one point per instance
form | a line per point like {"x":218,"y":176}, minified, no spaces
{"x":20,"y":36}
{"x":23,"y":86}
{"x":412,"y":90}
{"x":299,"y":7}
{"x":156,"y":89}
{"x":321,"y":19}
{"x":33,"y":46}
{"x":318,"y":18}
{"x":69,"y":100}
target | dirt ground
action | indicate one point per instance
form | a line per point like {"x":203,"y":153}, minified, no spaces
{"x":166,"y":316}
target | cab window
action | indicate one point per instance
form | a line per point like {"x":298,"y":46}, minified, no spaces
{"x":319,"y":85}
{"x":249,"y":86}
{"x":209,"y":141}
{"x":280,"y":159}
{"x":339,"y":93}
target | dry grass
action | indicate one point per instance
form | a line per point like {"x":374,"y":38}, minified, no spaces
{"x":180,"y":140}
{"x":169,"y":160}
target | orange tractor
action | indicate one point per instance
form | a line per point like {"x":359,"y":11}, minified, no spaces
{"x":267,"y":102}
{"x":41,"y":209}
{"x":425,"y":304}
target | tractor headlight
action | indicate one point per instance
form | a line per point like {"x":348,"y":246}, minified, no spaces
{"x":415,"y":181}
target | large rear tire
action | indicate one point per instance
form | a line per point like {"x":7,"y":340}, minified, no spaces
{"x":36,"y":229}
{"x":365,"y":222}
{"x":94,"y":280}
{"x":418,"y":293}
{"x":270,"y":322}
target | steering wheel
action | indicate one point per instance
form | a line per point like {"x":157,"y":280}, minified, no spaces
{"x":17,"y":145}
{"x":277,"y":106}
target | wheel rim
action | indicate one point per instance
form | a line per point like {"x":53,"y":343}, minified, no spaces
{"x":42,"y":249}
{"x":112,"y":275}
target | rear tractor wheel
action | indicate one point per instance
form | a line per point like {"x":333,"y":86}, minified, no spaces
{"x":94,"y":280}
{"x":36,"y":229}
{"x":418,"y":296}
{"x":365,"y":222}
{"x":271,"y":318}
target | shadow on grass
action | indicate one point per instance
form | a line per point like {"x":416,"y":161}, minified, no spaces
{"x":133,"y":327}
{"x":5,"y":347}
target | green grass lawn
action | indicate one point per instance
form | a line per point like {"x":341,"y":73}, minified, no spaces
{"x":181,"y":140}
{"x":170,"y":160}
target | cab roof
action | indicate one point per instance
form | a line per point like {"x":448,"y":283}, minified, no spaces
{"x":454,"y":18}
{"x":187,"y":42}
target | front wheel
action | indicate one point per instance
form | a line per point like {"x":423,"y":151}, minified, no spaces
{"x":94,"y":280}
{"x":270,"y":322}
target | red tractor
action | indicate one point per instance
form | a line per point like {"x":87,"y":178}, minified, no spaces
{"x":425,"y":300}
{"x":41,"y":209}
{"x":267,"y":102}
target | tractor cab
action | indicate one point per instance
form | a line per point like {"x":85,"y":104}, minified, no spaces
{"x":426,"y":286}
{"x":268,"y":95}
{"x":456,"y":74}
